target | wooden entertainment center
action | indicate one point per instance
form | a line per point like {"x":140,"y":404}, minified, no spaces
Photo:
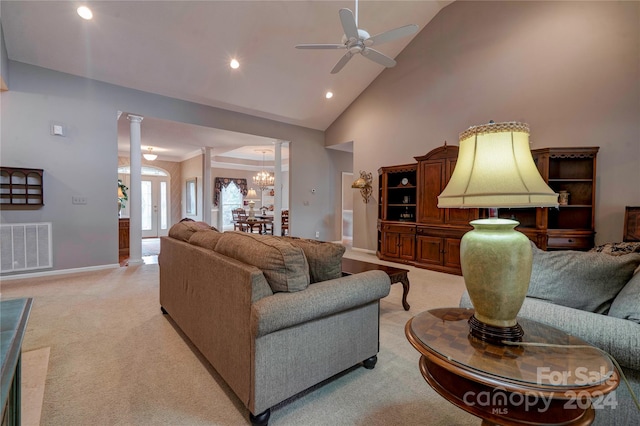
{"x":413,"y":230}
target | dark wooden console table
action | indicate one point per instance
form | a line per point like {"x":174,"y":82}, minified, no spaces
{"x":396,"y":275}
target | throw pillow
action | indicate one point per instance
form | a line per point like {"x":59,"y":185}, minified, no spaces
{"x":581,"y":280}
{"x":325,"y":259}
{"x":626,"y":305}
{"x":206,"y":238}
{"x":617,"y":249}
{"x":284,"y":266}
{"x":184,"y":229}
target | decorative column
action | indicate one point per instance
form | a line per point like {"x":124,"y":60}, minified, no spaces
{"x":207,"y":193}
{"x":135,"y":191}
{"x":277,"y":185}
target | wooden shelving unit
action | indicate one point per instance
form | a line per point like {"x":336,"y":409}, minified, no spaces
{"x":412,"y":229}
{"x":20,"y":186}
{"x":570,"y":226}
{"x":397,"y":212}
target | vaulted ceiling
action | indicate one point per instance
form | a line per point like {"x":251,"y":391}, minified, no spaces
{"x":182,"y":49}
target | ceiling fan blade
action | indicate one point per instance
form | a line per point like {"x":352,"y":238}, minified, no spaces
{"x":391,"y":35}
{"x":349,"y":24}
{"x":342,"y":62}
{"x":378,"y":57}
{"x":320,"y":46}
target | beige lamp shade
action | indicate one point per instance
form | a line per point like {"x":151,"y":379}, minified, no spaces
{"x":251,"y":194}
{"x":495,"y":169}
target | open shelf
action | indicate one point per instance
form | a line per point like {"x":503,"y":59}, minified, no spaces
{"x":20,"y":186}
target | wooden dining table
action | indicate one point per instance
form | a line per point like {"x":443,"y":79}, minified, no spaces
{"x":257,"y":222}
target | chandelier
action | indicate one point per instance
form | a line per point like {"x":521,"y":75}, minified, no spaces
{"x":263,"y":179}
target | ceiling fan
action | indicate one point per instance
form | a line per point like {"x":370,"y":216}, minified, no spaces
{"x":357,"y":40}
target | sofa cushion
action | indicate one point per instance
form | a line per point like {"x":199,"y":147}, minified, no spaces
{"x":205,"y":238}
{"x":184,"y":229}
{"x":284,"y":266}
{"x":626,"y":305}
{"x":587,"y":281}
{"x":325,"y":259}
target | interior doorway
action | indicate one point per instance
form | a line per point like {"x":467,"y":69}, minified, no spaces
{"x":156,"y":196}
{"x":155,"y":206}
{"x":347,"y":209}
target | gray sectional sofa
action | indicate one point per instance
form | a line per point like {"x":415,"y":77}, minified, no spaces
{"x":596,"y":297}
{"x":273,"y":315}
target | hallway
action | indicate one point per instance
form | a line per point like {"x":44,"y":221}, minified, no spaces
{"x":150,"y":251}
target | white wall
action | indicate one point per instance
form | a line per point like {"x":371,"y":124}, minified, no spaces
{"x":569,"y":69}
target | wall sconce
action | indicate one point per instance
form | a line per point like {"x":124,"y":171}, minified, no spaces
{"x":363,"y":183}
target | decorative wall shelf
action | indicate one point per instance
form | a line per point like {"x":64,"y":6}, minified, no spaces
{"x":20,"y":186}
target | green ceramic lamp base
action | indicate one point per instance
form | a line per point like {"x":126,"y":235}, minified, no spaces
{"x":496,"y":263}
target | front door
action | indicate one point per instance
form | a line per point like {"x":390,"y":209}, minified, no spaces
{"x":155,"y":207}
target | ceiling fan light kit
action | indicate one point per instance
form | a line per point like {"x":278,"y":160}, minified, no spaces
{"x":357,"y":40}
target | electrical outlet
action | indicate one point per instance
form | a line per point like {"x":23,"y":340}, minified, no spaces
{"x":79,"y":200}
{"x":317,"y":234}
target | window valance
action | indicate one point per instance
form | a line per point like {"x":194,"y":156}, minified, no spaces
{"x":223,"y":182}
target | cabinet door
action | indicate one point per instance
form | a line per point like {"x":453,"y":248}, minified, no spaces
{"x":431,"y":179}
{"x":452,"y":252}
{"x":460,"y":216}
{"x":456,"y":216}
{"x":429,"y":250}
{"x":391,"y":244}
{"x":407,"y":243}
{"x":398,"y":244}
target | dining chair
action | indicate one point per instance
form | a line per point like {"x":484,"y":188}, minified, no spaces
{"x":239,"y":215}
{"x":285,"y":222}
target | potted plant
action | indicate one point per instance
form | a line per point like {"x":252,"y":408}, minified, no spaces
{"x":122,"y":195}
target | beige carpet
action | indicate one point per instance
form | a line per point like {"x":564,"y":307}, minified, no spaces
{"x":114,"y":359}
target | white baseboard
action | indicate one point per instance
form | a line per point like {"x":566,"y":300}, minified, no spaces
{"x":363,"y":250}
{"x":58,"y":272}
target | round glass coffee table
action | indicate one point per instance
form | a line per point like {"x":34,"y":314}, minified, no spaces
{"x":512,"y":385}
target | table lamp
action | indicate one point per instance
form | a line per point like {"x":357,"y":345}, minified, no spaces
{"x":495,"y":169}
{"x":251,"y":197}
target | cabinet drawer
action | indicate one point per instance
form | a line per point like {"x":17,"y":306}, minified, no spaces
{"x":571,"y":243}
{"x":402,"y":229}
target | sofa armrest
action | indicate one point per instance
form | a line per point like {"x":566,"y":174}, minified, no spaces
{"x":618,"y":337}
{"x":319,"y":300}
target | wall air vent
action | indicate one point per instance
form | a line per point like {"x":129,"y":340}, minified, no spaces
{"x":25,"y":246}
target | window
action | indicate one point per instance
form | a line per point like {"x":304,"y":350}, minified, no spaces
{"x":231,"y":200}
{"x":144,"y":171}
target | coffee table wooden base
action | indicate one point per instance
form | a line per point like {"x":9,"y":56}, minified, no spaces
{"x":469,"y":395}
{"x":512,"y":384}
{"x":396,"y":275}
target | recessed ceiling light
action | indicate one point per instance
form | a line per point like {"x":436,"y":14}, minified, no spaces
{"x":329,"y":95}
{"x":234,"y":64}
{"x":85,"y":12}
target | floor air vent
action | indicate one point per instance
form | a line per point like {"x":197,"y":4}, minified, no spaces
{"x":25,"y":246}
